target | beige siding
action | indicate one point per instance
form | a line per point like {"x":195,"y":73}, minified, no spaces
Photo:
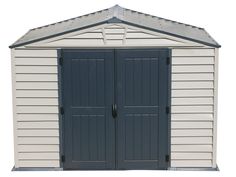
{"x":192,"y":140}
{"x":191,"y":163}
{"x":37,"y":133}
{"x":38,"y":140}
{"x":39,"y":163}
{"x":36,"y":106}
{"x":189,"y":156}
{"x":193,"y":95}
{"x":192,"y":107}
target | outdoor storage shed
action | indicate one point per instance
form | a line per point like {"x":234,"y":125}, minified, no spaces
{"x":115,"y":89}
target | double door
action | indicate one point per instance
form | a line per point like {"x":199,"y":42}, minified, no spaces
{"x":115,"y":108}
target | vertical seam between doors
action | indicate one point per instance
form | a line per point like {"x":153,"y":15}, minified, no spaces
{"x":115,"y":102}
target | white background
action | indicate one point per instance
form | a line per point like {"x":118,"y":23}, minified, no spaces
{"x":216,"y":16}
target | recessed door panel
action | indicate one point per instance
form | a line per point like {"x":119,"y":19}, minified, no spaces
{"x":141,"y":101}
{"x":87,"y":98}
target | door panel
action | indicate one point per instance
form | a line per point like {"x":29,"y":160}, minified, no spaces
{"x":142,"y":98}
{"x":87,"y":97}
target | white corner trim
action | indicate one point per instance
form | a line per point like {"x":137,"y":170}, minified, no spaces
{"x":13,"y":74}
{"x":214,"y":165}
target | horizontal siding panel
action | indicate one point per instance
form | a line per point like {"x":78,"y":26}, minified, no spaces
{"x":36,"y":85}
{"x":75,"y":42}
{"x":35,"y":53}
{"x":39,"y":156}
{"x":114,"y":26}
{"x":36,"y":61}
{"x":97,"y":30}
{"x":192,"y":60}
{"x":38,"y":148}
{"x":37,"y":109}
{"x":191,"y":124}
{"x":192,"y":85}
{"x":192,"y":68}
{"x":191,"y":148}
{"x":193,"y":156}
{"x":191,"y":109}
{"x":114,"y":30}
{"x":90,"y":35}
{"x":192,"y":101}
{"x":37,"y":101}
{"x":197,"y":116}
{"x":139,"y":35}
{"x":36,"y":77}
{"x":38,"y":140}
{"x":38,"y":125}
{"x":114,"y":42}
{"x":36,"y":69}
{"x":157,"y":42}
{"x":193,"y":77}
{"x":37,"y":117}
{"x":41,"y":133}
{"x":39,"y":163}
{"x":191,"y":140}
{"x":191,"y":132}
{"x":131,"y":30}
{"x":37,"y":93}
{"x":191,"y":163}
{"x":193,"y":52}
{"x":192,"y":93}
{"x":116,"y":36}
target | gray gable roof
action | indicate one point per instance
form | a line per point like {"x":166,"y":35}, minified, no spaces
{"x":117,"y":14}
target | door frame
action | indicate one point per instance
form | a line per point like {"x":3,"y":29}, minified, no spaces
{"x":60,"y":98}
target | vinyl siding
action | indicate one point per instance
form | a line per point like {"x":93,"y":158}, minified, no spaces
{"x":192,"y":118}
{"x":193,"y":94}
{"x":36,"y":107}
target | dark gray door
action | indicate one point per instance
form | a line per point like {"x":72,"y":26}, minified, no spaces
{"x":136,"y":82}
{"x":87,"y":98}
{"x":142,"y":97}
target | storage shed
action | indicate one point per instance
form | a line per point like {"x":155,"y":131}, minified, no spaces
{"x":115,"y":89}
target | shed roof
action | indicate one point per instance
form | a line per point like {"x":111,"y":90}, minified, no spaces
{"x":117,"y":14}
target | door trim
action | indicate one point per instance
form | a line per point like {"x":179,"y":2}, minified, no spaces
{"x":60,"y":99}
{"x":60,"y":104}
{"x":169,"y":104}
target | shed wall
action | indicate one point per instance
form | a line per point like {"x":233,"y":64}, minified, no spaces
{"x":192,"y":116}
{"x":35,"y":91}
{"x":36,"y":108}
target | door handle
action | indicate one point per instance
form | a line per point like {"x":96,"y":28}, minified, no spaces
{"x":114,"y":110}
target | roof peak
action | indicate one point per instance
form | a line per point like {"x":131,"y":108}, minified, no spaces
{"x":116,"y":6}
{"x":116,"y":10}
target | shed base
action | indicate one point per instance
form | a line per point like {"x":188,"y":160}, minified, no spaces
{"x":194,"y":169}
{"x":36,"y":169}
{"x":61,"y":169}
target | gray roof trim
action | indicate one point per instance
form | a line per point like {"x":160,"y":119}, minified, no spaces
{"x":117,"y":14}
{"x":175,"y":35}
